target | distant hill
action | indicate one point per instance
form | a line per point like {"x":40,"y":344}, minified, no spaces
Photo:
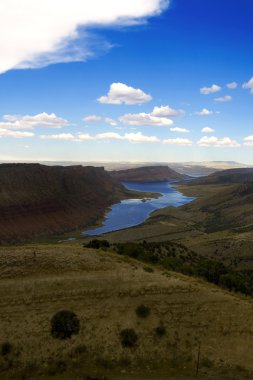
{"x":147,"y":174}
{"x":230,"y":176}
{"x":40,"y":200}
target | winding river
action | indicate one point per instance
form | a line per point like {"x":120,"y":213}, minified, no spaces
{"x":131,"y":212}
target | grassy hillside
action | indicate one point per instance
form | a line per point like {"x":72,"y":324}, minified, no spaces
{"x":174,"y":317}
{"x":147,"y":174}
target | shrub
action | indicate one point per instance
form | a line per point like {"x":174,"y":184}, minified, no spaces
{"x":160,"y":331}
{"x":128,"y":338}
{"x":96,"y":244}
{"x":142,"y":311}
{"x":148,"y":269}
{"x":6,"y":348}
{"x":64,"y":324}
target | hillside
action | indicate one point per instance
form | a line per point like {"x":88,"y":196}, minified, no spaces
{"x":38,"y":200}
{"x":225,"y":177}
{"x":186,"y":317}
{"x":147,"y":174}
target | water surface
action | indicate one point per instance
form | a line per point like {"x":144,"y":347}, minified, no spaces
{"x":131,"y":212}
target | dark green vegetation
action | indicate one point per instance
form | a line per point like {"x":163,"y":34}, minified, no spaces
{"x":176,"y":257}
{"x":142,"y":311}
{"x":64,"y":324}
{"x":128,"y":338}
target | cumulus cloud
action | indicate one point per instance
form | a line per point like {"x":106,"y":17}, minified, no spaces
{"x":92,"y":119}
{"x":138,"y":137}
{"x":164,"y":111}
{"x":213,"y":141}
{"x":120,"y":93}
{"x":204,"y":112}
{"x":83,"y":137}
{"x":108,"y":135}
{"x":210,"y":90}
{"x":59,"y":136}
{"x":249,"y":85}
{"x":207,"y":130}
{"x":42,"y":32}
{"x":180,"y":130}
{"x":178,"y":141}
{"x":224,"y":99}
{"x":232,"y":85}
{"x":30,"y":122}
{"x":110,"y":121}
{"x":145,"y":119}
{"x":15,"y":134}
{"x":248,"y":141}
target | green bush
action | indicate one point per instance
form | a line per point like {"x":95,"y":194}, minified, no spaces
{"x":6,"y":348}
{"x":64,"y":324}
{"x":160,"y":331}
{"x":96,"y":244}
{"x":128,"y":338}
{"x":142,"y":311}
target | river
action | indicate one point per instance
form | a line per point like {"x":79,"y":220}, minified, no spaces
{"x":131,"y":212}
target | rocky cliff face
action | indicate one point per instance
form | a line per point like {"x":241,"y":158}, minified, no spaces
{"x":39,"y":200}
{"x":147,"y":174}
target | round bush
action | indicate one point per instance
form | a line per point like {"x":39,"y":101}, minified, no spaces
{"x":142,"y":311}
{"x":160,"y":331}
{"x":64,"y":324}
{"x":6,"y":348}
{"x":128,"y":338}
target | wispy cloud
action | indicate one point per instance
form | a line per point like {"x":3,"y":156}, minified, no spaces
{"x":42,"y":32}
{"x":210,"y":90}
{"x":224,"y":99}
{"x":92,"y":119}
{"x":15,"y":134}
{"x":232,"y":85}
{"x":120,"y":93}
{"x":248,"y":141}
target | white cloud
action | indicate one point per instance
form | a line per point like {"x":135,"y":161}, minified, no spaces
{"x":108,"y":135}
{"x":83,"y":137}
{"x":248,"y":141}
{"x":232,"y":85}
{"x":226,"y":98}
{"x":30,"y":122}
{"x":92,"y":119}
{"x":213,"y":141}
{"x":210,"y":90}
{"x":140,"y":138}
{"x":110,"y":121}
{"x":60,"y":136}
{"x":180,"y":130}
{"x":204,"y":112}
{"x":178,"y":141}
{"x":42,"y":32}
{"x":249,"y":85}
{"x":164,"y":111}
{"x":120,"y":93}
{"x":207,"y":130}
{"x":15,"y":134}
{"x":145,"y":119}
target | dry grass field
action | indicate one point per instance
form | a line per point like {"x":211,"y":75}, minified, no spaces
{"x":104,"y":290}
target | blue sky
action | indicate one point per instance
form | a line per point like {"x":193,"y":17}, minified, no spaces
{"x":136,"y":81}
